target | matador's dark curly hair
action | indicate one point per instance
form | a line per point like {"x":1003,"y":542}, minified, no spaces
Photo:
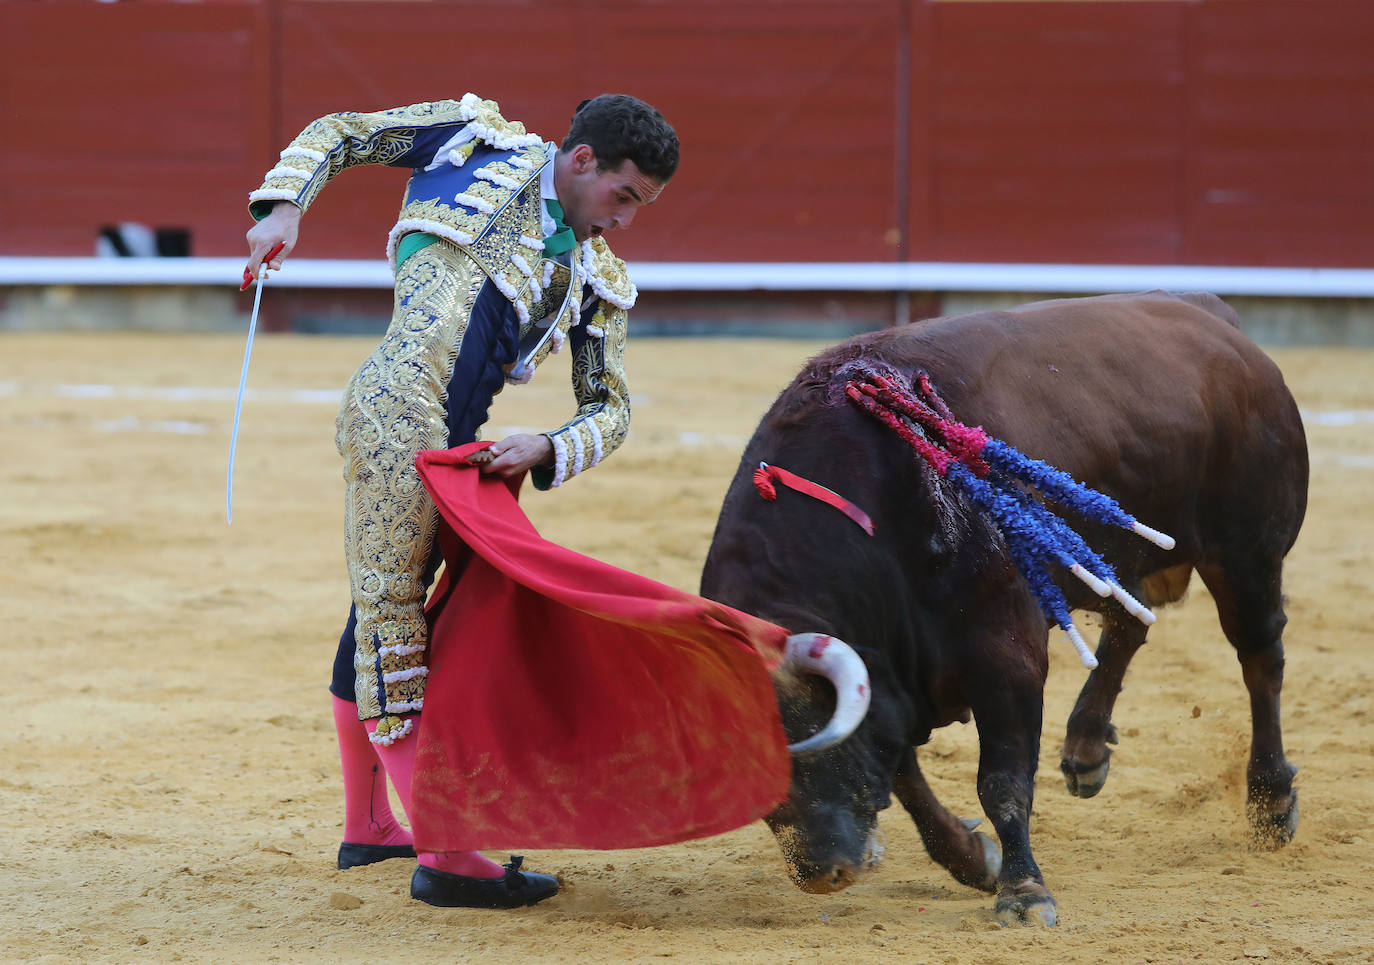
{"x":618,"y":127}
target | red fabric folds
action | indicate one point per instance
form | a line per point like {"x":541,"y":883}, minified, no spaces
{"x":572,"y":704}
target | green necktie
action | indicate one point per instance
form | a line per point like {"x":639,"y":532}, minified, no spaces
{"x":562,"y":238}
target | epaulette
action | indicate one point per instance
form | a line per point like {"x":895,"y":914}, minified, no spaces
{"x":607,"y":274}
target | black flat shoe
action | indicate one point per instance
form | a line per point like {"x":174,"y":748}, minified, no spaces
{"x":352,"y":855}
{"x":514,"y":890}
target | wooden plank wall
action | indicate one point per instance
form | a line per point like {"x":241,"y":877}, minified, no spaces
{"x":1211,"y":132}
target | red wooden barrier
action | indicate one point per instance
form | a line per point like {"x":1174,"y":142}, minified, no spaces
{"x":1215,"y":132}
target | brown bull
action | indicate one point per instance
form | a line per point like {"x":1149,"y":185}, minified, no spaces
{"x":1156,"y":400}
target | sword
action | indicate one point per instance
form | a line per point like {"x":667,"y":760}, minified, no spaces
{"x":243,"y":377}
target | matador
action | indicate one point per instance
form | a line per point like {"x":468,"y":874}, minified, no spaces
{"x":499,"y":261}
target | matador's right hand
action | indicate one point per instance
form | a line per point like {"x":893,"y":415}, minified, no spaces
{"x":278,"y":228}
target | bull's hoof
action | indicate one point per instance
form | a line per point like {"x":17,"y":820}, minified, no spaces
{"x":1085,"y":780}
{"x":992,"y":864}
{"x":1273,"y":822}
{"x":973,"y":858}
{"x":1030,"y":903}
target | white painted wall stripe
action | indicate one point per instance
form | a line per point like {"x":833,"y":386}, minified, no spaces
{"x":742,"y":276}
{"x":1338,"y":418}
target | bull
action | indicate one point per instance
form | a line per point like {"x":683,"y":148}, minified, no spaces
{"x":1156,"y":400}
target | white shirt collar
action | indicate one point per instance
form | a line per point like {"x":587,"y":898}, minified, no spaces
{"x":546,"y":190}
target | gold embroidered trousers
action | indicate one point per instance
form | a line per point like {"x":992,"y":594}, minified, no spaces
{"x":394,"y":406}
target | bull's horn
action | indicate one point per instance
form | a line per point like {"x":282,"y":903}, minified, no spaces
{"x":836,"y":661}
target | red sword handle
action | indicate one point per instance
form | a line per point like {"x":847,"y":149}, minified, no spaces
{"x":248,"y":275}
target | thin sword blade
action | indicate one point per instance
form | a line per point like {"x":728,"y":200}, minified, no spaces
{"x":238,"y":403}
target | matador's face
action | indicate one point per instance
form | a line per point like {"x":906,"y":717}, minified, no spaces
{"x":596,"y":200}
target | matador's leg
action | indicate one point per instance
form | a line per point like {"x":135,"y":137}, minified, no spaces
{"x":394,"y":406}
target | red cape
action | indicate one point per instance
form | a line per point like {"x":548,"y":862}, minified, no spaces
{"x":571,"y":704}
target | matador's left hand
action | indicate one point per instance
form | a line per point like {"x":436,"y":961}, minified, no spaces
{"x":519,"y":453}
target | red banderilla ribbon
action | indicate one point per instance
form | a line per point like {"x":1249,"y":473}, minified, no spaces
{"x":765,"y":476}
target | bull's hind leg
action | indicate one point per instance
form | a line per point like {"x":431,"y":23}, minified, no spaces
{"x":971,"y":856}
{"x":1086,"y":758}
{"x":1250,"y":607}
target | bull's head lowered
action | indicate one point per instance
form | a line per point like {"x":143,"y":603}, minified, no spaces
{"x":808,"y":566}
{"x":827,"y":827}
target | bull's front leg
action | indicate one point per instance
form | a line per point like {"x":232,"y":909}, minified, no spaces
{"x":1086,"y":758}
{"x":970,"y":856}
{"x":1009,"y":745}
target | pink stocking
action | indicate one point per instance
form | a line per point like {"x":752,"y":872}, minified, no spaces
{"x":367,"y":811}
{"x":399,"y":761}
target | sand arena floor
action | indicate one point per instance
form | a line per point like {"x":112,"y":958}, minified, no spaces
{"x":170,"y":791}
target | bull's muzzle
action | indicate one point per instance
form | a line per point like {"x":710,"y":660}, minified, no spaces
{"x":824,"y":868}
{"x":836,"y":661}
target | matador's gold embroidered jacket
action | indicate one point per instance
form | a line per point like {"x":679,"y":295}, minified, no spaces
{"x":476,"y":182}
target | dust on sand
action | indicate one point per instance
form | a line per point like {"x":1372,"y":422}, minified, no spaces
{"x":172,"y":794}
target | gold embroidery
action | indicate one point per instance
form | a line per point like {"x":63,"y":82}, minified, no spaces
{"x":350,"y":138}
{"x":501,"y":240}
{"x":563,"y":323}
{"x":598,"y":378}
{"x":612,"y":274}
{"x":470,"y":223}
{"x":492,"y":194}
{"x":535,"y":157}
{"x":552,"y":295}
{"x":490,"y":239}
{"x":606,"y":378}
{"x":394,"y":406}
{"x":505,"y":169}
{"x":488,"y":114}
